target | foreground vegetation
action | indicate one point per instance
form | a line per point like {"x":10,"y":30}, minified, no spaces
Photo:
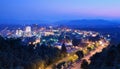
{"x":15,"y":55}
{"x":109,"y":58}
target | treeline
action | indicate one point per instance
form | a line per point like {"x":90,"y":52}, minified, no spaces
{"x":15,"y":55}
{"x":109,"y":58}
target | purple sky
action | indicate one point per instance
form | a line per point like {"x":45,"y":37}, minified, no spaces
{"x":53,"y":10}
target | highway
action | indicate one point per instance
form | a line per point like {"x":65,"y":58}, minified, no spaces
{"x":77,"y":65}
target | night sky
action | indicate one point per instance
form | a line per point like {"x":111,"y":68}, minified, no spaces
{"x":54,"y":10}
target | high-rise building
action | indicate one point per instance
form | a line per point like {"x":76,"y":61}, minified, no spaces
{"x":28,"y":32}
{"x":19,"y":32}
{"x":28,"y":29}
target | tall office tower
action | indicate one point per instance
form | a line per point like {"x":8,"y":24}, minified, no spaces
{"x":19,"y":32}
{"x":28,"y":31}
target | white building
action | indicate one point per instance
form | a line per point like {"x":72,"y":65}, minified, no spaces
{"x":19,"y":32}
{"x":28,"y":29}
{"x":28,"y":32}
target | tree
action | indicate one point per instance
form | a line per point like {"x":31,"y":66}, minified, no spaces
{"x":76,"y":42}
{"x":14,"y":55}
{"x":63,"y":49}
{"x":68,"y":39}
{"x":110,"y":57}
{"x":84,"y":64}
{"x":80,"y":54}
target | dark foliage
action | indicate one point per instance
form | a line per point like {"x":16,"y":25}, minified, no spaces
{"x":13,"y":54}
{"x":63,"y":49}
{"x":109,"y":58}
{"x":75,"y":42}
{"x":84,"y":64}
{"x":80,"y":54}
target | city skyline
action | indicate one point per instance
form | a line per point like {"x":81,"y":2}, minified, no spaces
{"x":59,"y":34}
{"x":51,"y":11}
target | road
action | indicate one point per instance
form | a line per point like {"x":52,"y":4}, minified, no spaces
{"x":62,"y":60}
{"x":77,"y":65}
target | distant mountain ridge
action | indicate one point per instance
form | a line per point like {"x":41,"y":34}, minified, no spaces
{"x":87,"y":23}
{"x":90,"y":23}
